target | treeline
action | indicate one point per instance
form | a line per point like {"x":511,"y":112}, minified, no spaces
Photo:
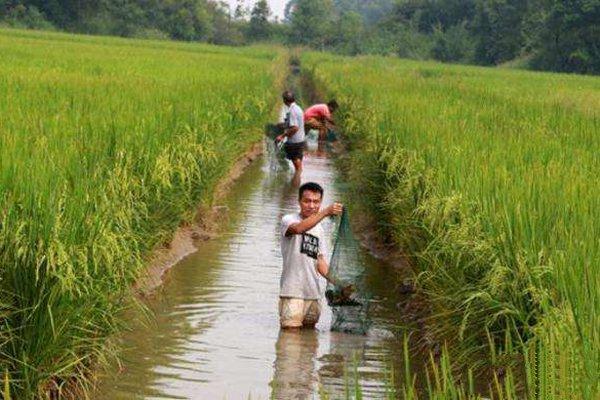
{"x":190,"y":20}
{"x":559,"y":35}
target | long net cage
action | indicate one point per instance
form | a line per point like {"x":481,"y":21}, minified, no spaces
{"x":347,"y":293}
{"x":274,"y":150}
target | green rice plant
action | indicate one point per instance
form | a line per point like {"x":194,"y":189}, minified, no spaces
{"x":438,"y":381}
{"x":107,"y":146}
{"x":488,"y":178}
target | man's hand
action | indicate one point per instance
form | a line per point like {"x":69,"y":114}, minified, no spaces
{"x":280,"y":137}
{"x":335,"y":209}
{"x":309,"y":222}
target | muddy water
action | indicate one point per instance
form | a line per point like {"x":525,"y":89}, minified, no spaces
{"x":216,"y":332}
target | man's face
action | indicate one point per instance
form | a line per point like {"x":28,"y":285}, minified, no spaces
{"x":310,"y":203}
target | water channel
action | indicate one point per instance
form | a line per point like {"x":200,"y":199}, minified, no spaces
{"x":215,"y":334}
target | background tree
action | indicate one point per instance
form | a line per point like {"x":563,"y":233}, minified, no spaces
{"x":454,"y":44}
{"x":559,"y":35}
{"x":570,"y":37}
{"x":371,"y":11}
{"x":241,"y":11}
{"x":312,"y":23}
{"x":289,"y":9}
{"x":259,"y":27}
{"x":350,"y":33}
{"x":498,"y":29}
{"x":225,"y":30}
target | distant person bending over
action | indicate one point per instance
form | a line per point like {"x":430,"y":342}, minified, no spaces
{"x":305,"y":254}
{"x":292,"y":122}
{"x":320,"y":117}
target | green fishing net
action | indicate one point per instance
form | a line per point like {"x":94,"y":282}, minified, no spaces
{"x":272,"y":131}
{"x":346,"y":292}
{"x":274,"y":150}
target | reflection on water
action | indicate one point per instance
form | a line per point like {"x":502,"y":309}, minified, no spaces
{"x":294,"y":372}
{"x":216,"y":333}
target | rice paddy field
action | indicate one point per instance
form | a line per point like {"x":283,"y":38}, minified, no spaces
{"x":488,"y":178}
{"x":107,"y":146}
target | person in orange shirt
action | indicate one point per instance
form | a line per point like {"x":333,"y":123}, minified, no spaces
{"x":319,"y":117}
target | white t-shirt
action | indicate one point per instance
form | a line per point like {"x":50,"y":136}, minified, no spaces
{"x":299,"y":278}
{"x":293,"y":116}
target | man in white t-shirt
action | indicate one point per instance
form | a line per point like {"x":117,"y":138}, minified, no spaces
{"x":305,"y":255}
{"x":292,"y":121}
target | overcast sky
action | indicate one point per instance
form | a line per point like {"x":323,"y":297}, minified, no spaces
{"x":275,"y":5}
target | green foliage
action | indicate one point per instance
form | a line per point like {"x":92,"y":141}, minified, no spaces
{"x":22,"y":16}
{"x":371,"y":11}
{"x":259,"y":27}
{"x":561,"y":35}
{"x":554,"y":35}
{"x":108,"y":145}
{"x":490,"y":182}
{"x":452,"y":45}
{"x":498,"y":30}
{"x":190,"y":20}
{"x":350,"y":33}
{"x":224,"y":30}
{"x":412,"y":44}
{"x":312,"y":23}
{"x":425,"y":15}
{"x":570,"y":36}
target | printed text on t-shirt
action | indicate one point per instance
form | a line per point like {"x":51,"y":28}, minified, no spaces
{"x":310,"y":245}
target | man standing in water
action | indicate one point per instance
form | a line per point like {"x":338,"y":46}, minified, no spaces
{"x":305,"y":254}
{"x":319,"y":117}
{"x":292,"y":120}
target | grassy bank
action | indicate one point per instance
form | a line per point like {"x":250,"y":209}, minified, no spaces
{"x":107,"y":146}
{"x":488,"y":178}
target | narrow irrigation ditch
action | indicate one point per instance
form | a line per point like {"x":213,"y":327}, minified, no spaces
{"x":215,"y":330}
{"x":215,"y":333}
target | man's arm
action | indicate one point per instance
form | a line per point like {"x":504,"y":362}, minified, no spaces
{"x":310,"y":222}
{"x":323,"y":270}
{"x":323,"y":267}
{"x":328,"y":118}
{"x":289,"y":132}
{"x":330,"y":124}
